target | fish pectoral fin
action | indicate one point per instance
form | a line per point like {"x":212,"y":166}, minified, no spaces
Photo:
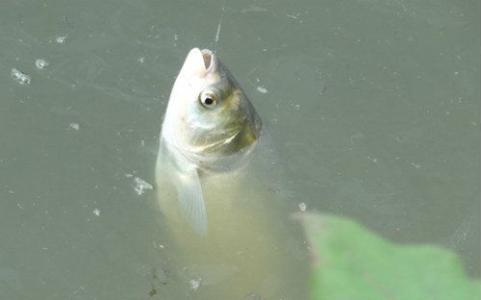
{"x":191,"y":200}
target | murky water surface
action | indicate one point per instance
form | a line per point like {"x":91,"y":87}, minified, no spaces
{"x":373,"y":108}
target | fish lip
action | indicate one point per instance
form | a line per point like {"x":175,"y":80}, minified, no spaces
{"x":210,"y":60}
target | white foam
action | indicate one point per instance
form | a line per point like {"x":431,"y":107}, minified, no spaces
{"x":141,"y":186}
{"x":74,"y":126}
{"x":61,"y":39}
{"x":20,"y":77}
{"x":262,"y":90}
{"x":195,"y":283}
{"x":41,"y":63}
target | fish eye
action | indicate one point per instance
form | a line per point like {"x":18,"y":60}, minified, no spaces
{"x":208,"y":99}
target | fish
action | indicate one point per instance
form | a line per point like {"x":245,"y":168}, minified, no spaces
{"x":210,"y":127}
{"x":224,"y":204}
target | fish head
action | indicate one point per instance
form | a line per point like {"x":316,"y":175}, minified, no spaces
{"x":209,"y":117}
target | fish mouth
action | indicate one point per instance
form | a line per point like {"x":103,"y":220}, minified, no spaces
{"x":209,"y":59}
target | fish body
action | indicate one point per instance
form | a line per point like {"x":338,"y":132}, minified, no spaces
{"x":210,"y":127}
{"x":216,"y":166}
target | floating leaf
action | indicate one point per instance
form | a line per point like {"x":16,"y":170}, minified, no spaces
{"x":350,"y":262}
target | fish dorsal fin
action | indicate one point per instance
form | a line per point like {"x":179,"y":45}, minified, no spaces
{"x":191,"y":200}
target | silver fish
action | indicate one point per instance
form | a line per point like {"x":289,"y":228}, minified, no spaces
{"x":215,"y":157}
{"x":210,"y":127}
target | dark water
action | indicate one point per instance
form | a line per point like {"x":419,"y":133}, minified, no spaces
{"x":374,"y":107}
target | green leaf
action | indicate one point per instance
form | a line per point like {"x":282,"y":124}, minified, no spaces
{"x":350,"y":262}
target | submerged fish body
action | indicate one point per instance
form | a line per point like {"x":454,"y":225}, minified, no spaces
{"x":210,"y":127}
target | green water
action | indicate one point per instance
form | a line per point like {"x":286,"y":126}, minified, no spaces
{"x":373,"y":107}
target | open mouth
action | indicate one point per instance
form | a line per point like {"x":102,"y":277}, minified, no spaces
{"x":208,"y":56}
